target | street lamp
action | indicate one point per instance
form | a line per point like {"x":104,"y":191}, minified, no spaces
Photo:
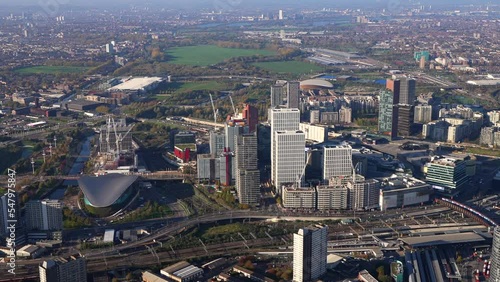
{"x":43,"y":154}
{"x":33,"y":165}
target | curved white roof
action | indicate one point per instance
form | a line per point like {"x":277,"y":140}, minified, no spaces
{"x":317,"y":83}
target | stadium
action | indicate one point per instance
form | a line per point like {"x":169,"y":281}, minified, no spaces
{"x":106,"y":194}
{"x":315,"y":84}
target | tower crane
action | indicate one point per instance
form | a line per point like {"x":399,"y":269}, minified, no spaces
{"x":117,"y":143}
{"x":299,"y":177}
{"x":213,"y":108}
{"x":108,"y":125}
{"x":232,"y":104}
{"x":121,"y":138}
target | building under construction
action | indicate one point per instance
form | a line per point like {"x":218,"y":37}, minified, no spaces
{"x":115,"y":145}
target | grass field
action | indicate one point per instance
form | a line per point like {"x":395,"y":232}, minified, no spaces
{"x":205,"y":55}
{"x":186,"y":87}
{"x":292,"y":67}
{"x":51,"y":70}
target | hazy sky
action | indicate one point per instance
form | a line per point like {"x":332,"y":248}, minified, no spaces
{"x":241,"y":3}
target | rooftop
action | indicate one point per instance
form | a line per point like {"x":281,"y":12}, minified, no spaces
{"x":367,"y":276}
{"x":29,"y":248}
{"x":138,"y":83}
{"x":444,"y":239}
{"x":83,"y":102}
{"x":447,"y":161}
{"x":187,"y":271}
{"x":183,"y":147}
{"x":104,"y":190}
{"x":320,"y":83}
{"x":284,"y":110}
{"x":151,"y":277}
{"x":401,"y":182}
{"x":175,"y":267}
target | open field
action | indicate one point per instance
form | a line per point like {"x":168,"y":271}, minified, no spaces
{"x":51,"y":70}
{"x":205,"y":55}
{"x":187,"y":87}
{"x":292,"y":67}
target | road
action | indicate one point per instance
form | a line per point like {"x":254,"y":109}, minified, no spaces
{"x":138,"y":255}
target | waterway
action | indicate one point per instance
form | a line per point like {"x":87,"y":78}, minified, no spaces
{"x":77,"y":167}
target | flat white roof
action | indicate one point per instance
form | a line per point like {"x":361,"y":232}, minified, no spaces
{"x":36,"y":123}
{"x":137,"y":83}
{"x":109,"y":235}
{"x":485,"y":82}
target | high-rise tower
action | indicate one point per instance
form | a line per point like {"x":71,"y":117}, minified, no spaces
{"x":309,"y":253}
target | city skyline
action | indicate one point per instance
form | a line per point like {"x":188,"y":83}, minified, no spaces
{"x":203,"y":140}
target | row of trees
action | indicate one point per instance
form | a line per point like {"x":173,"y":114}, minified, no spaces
{"x":72,"y":220}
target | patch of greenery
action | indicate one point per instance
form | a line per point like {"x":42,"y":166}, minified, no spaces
{"x":51,"y":70}
{"x":72,"y":220}
{"x":149,"y":211}
{"x":290,"y":67}
{"x":483,"y":151}
{"x":234,"y":228}
{"x":177,"y":88}
{"x":206,"y":55}
{"x":9,"y":156}
{"x":95,"y":245}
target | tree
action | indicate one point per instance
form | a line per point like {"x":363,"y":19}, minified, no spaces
{"x":102,"y":109}
{"x":381,"y":271}
{"x":249,"y":265}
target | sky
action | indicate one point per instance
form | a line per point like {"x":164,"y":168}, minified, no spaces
{"x":243,"y":3}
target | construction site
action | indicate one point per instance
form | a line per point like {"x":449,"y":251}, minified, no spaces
{"x":116,"y":152}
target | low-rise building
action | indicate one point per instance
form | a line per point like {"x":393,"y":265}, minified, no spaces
{"x":400,"y":191}
{"x":365,"y":276}
{"x":299,"y":198}
{"x":30,"y":251}
{"x":251,"y":274}
{"x":330,"y":197}
{"x":182,"y":272}
{"x":148,"y":276}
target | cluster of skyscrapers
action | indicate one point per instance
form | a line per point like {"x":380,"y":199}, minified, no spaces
{"x":396,"y":107}
{"x":233,"y":157}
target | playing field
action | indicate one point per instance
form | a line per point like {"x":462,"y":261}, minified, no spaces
{"x":205,"y":55}
{"x":51,"y":70}
{"x":291,"y":67}
{"x":186,"y":87}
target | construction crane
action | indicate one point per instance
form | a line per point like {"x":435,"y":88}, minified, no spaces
{"x":213,"y":108}
{"x":117,"y":143}
{"x":108,"y":125}
{"x":355,"y":169}
{"x":121,"y":138}
{"x":299,"y":177}
{"x":232,"y":104}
